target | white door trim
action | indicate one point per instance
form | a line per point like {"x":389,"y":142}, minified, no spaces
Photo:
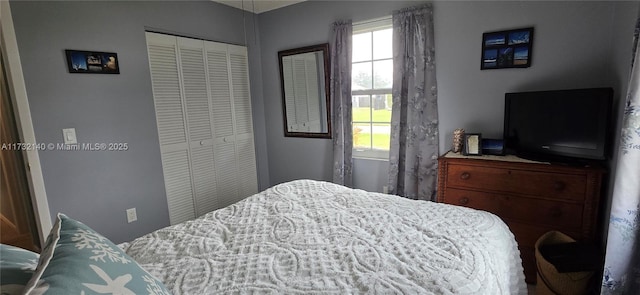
{"x":18,"y":90}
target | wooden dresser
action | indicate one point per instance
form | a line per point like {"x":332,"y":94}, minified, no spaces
{"x":531,"y":197}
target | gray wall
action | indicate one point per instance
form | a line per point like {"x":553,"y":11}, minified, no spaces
{"x":299,"y":25}
{"x":97,"y":187}
{"x":574,"y":46}
{"x":571,"y":49}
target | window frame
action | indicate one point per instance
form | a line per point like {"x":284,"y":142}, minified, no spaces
{"x":359,"y":28}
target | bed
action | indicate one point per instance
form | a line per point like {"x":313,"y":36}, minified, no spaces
{"x":311,"y":237}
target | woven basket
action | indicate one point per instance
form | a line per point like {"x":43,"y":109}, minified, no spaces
{"x":550,"y":281}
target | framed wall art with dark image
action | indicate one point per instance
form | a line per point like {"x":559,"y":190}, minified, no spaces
{"x":507,"y":49}
{"x":92,"y":62}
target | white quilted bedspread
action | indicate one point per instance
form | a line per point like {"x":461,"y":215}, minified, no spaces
{"x":309,"y":237}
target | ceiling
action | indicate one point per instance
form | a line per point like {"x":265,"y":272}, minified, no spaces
{"x":258,"y":6}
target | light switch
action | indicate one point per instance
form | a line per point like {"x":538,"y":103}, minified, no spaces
{"x":131,"y":215}
{"x":69,"y":136}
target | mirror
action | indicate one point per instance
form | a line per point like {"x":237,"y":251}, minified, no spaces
{"x":304,"y":77}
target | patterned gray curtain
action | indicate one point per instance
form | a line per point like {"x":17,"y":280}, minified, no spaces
{"x":341,"y":102}
{"x":414,"y":118}
{"x":622,"y":262}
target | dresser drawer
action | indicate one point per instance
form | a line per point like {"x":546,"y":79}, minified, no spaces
{"x":553,"y":185}
{"x":535,"y":211}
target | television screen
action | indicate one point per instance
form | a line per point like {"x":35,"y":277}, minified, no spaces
{"x":558,"y":125}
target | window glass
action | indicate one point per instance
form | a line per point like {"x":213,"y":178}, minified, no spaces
{"x":361,"y":108}
{"x":361,"y":76}
{"x":361,"y":47}
{"x":362,"y":135}
{"x":382,"y":44}
{"x":371,"y":85}
{"x":382,"y":74}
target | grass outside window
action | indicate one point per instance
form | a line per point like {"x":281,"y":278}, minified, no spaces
{"x":362,"y":115}
{"x":380,"y":141}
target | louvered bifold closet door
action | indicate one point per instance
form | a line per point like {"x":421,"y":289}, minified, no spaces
{"x":172,"y":126}
{"x":199,"y":119}
{"x":203,"y":111}
{"x":245,"y":147}
{"x":223,"y":122}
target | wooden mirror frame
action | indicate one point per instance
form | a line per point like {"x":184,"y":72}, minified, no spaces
{"x":324,"y":48}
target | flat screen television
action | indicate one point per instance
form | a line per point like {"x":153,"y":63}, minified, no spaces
{"x":560,"y":125}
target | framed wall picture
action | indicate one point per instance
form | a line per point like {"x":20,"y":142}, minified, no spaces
{"x":507,"y":49}
{"x":92,"y":62}
{"x":472,"y":144}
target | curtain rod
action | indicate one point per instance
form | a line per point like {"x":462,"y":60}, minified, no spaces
{"x":384,"y":18}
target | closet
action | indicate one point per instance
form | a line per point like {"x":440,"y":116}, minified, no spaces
{"x":203,"y":113}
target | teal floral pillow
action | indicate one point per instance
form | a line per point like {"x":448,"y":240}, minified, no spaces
{"x":78,"y":260}
{"x":16,"y":268}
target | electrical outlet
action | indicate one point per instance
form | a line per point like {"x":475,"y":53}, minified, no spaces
{"x":131,"y":215}
{"x":385,"y":189}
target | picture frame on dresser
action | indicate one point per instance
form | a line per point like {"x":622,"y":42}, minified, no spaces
{"x":472,"y":144}
{"x":491,"y":146}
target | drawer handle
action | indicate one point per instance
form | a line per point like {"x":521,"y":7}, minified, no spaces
{"x":465,"y":175}
{"x":556,"y":212}
{"x":464,"y":200}
{"x":559,"y":185}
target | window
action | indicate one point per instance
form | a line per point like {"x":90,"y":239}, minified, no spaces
{"x":371,"y":84}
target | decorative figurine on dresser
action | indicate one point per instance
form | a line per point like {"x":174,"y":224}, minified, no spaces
{"x":458,"y":136}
